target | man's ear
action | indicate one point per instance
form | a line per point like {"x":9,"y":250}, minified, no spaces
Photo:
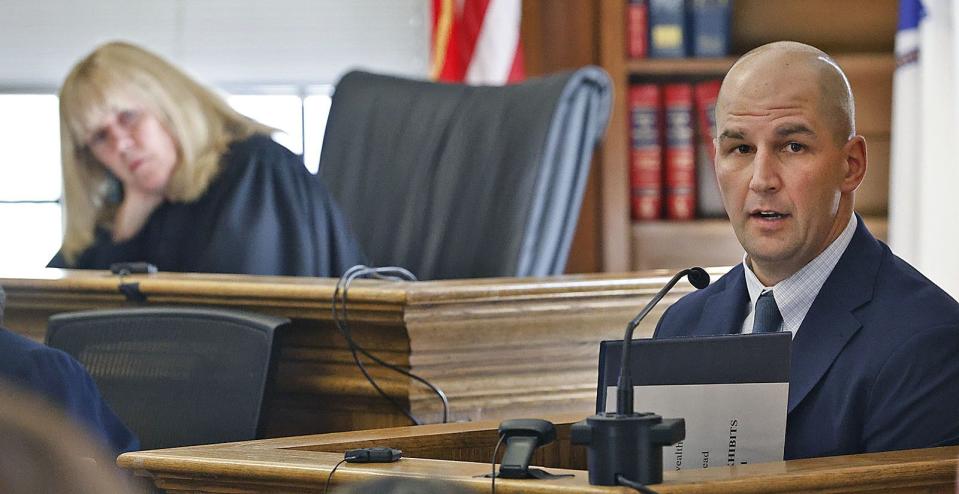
{"x":856,"y":163}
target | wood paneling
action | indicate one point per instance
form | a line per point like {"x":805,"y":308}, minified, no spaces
{"x":686,"y":241}
{"x":498,"y":347}
{"x":834,"y":27}
{"x":614,"y":178}
{"x":560,"y":35}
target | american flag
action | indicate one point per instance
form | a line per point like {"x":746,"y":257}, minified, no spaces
{"x":923,"y":172}
{"x":476,"y":41}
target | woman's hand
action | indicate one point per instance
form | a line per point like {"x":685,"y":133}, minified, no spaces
{"x":136,"y":208}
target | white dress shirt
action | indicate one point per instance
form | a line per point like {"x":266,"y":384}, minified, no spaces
{"x":795,"y":294}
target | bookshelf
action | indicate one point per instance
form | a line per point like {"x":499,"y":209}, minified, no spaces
{"x":858,"y":33}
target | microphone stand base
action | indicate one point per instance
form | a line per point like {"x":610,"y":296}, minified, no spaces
{"x":628,"y":445}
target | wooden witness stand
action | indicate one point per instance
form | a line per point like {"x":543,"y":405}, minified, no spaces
{"x":458,"y":453}
{"x":500,"y":348}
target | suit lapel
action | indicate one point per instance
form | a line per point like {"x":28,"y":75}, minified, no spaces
{"x":830,"y":323}
{"x":724,"y":311}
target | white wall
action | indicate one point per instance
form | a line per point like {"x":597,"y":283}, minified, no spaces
{"x":222,"y":42}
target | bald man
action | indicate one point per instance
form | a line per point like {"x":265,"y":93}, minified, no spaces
{"x":875,"y":355}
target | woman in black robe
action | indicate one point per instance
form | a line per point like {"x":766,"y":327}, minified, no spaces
{"x":158,"y":168}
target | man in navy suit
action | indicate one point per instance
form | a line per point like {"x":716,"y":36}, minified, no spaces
{"x":875,"y":355}
{"x":62,"y":381}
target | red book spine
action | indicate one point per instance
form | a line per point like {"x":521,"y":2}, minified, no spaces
{"x":680,"y":161}
{"x":637,"y":28}
{"x":645,"y":159}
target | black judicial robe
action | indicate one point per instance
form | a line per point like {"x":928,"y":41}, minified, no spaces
{"x":263,"y":214}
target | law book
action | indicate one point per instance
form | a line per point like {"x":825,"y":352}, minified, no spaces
{"x":708,"y":201}
{"x":667,"y":28}
{"x":645,"y":157}
{"x":708,"y":26}
{"x":680,"y":155}
{"x":637,"y":28}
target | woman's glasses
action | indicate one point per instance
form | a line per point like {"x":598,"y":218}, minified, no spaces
{"x":121,"y":124}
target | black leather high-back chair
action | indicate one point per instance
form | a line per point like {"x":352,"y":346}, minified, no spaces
{"x":458,"y":181}
{"x":175,"y":376}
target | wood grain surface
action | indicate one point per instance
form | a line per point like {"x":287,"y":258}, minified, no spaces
{"x":457,"y":453}
{"x":499,"y":347}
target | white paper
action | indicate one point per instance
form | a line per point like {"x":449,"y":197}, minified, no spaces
{"x":726,"y":424}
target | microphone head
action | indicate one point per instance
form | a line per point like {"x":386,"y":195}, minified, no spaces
{"x":698,"y":277}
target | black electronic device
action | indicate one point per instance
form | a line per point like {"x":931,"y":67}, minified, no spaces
{"x":365,"y":455}
{"x":522,"y":437}
{"x":372,"y":455}
{"x":626,"y":446}
{"x":125,"y":268}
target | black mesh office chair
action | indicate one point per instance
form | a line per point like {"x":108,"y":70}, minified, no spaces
{"x":175,"y":376}
{"x":457,"y":181}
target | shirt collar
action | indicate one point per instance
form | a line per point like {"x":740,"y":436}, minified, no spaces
{"x":795,"y":294}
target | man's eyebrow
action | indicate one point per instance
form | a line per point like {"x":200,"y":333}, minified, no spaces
{"x":793,"y":129}
{"x":731,"y":134}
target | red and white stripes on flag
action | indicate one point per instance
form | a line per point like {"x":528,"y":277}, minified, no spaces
{"x":476,"y":41}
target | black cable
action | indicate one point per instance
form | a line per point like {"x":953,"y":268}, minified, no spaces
{"x":343,"y":327}
{"x":349,"y":276}
{"x":398,"y":274}
{"x":342,"y":324}
{"x":493,"y":475}
{"x":330,"y":476}
{"x":635,"y":485}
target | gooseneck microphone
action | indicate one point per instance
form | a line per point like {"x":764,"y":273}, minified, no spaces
{"x":626,"y":448}
{"x":624,"y":386}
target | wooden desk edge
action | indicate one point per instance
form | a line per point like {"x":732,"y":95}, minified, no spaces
{"x":309,"y":459}
{"x":319,"y":291}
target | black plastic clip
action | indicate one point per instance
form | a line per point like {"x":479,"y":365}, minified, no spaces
{"x":132,"y":292}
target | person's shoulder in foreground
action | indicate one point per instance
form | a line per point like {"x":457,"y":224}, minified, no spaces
{"x":60,"y":379}
{"x":41,"y":451}
{"x":873,"y":364}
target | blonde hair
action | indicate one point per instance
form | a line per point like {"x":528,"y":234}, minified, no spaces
{"x":120,"y":75}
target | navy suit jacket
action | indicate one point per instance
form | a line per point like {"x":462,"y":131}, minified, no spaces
{"x":875,"y":363}
{"x":60,"y":379}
